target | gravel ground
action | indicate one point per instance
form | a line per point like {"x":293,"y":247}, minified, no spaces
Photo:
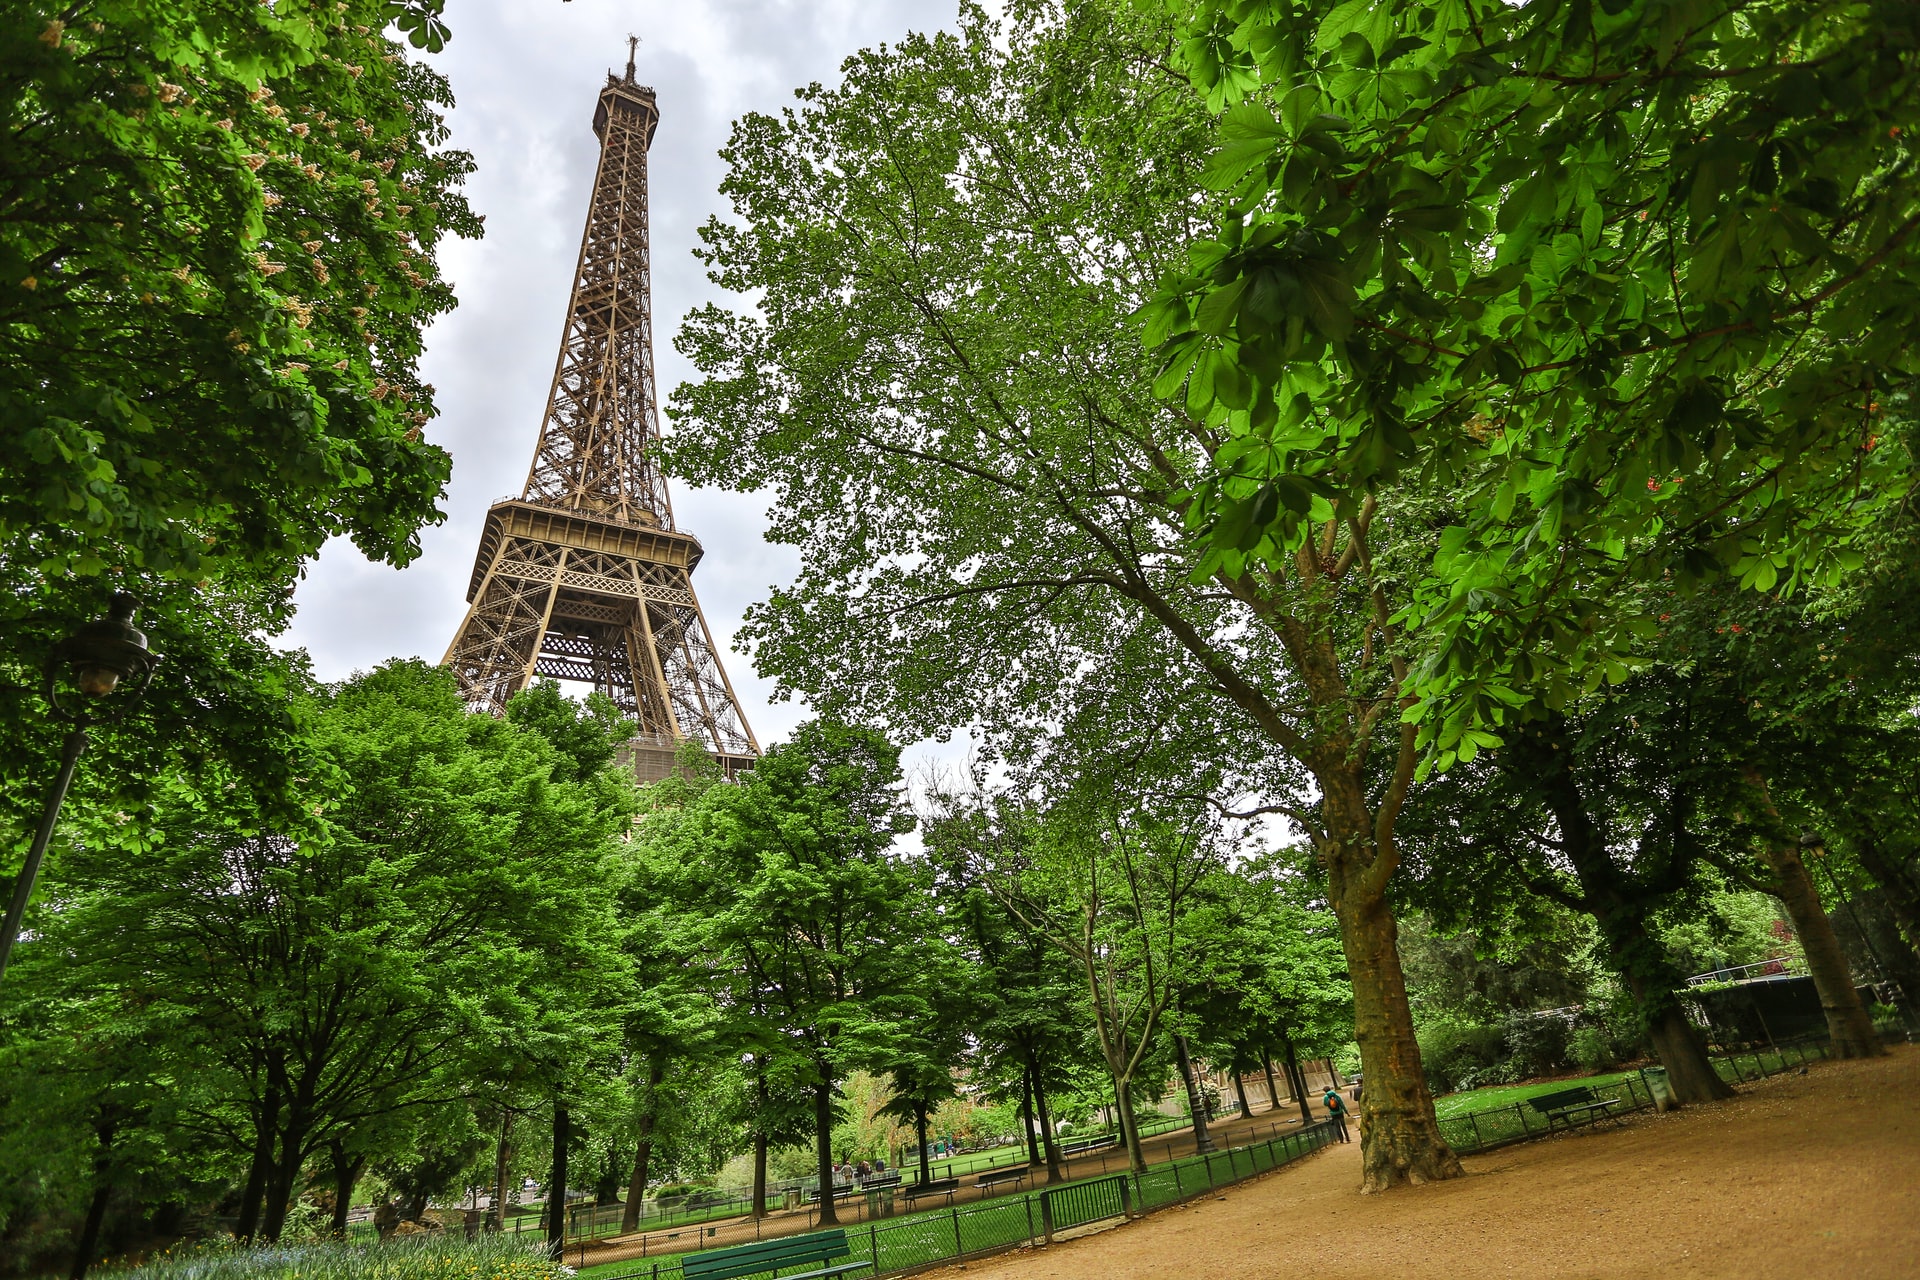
{"x":1799,"y":1178}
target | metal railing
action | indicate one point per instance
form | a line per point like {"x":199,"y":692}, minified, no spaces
{"x":1780,"y":967}
{"x":1493,"y":1127}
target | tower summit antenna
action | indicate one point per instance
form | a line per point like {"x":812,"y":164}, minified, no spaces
{"x":633,"y":45}
{"x":585,"y":577}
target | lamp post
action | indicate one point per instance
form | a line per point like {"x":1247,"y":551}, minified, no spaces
{"x":101,"y":656}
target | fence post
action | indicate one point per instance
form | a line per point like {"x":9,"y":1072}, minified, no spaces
{"x":873,"y":1245}
{"x":1126,"y":1207}
{"x":1043,"y":1215}
{"x":1178,"y":1190}
{"x":957,"y":1250}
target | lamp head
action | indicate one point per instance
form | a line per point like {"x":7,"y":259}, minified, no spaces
{"x":105,"y":653}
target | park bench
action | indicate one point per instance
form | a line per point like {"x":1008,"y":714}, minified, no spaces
{"x":819,"y":1249}
{"x":1566,"y":1104}
{"x":938,"y":1187}
{"x":988,"y":1181}
{"x":1080,"y":1146}
{"x":881,"y":1181}
{"x":839,"y":1193}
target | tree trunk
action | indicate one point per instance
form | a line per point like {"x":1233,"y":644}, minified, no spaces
{"x":1676,"y":1042}
{"x":637,"y":1184}
{"x":920,"y":1132}
{"x":1026,"y":1115}
{"x":823,"y":1146}
{"x":345,"y":1174}
{"x":1621,"y":904}
{"x":266,"y":1120}
{"x":557,"y":1183}
{"x":1240,"y":1089}
{"x":1400,"y":1140}
{"x":1273,"y":1086}
{"x":284,"y":1174}
{"x":97,"y":1204}
{"x":1296,"y":1079}
{"x":759,"y":1174}
{"x":1847,"y":1019}
{"x":501,"y":1153}
{"x":1202,"y":1139}
{"x":1129,"y":1126}
{"x":1047,"y":1140}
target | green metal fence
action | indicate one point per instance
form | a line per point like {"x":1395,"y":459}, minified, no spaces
{"x":924,"y":1239}
{"x":1477,"y":1131}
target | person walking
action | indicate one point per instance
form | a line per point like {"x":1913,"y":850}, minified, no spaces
{"x":1337,"y":1112}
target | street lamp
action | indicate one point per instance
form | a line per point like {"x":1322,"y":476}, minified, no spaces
{"x":101,"y":657}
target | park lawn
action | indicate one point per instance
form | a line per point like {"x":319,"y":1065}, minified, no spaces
{"x":1505,"y":1095}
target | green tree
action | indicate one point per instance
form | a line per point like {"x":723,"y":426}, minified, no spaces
{"x":1111,"y":887}
{"x":944,"y":384}
{"x":343,"y":970}
{"x":1636,"y":279}
{"x":806,"y":900}
{"x":216,"y":270}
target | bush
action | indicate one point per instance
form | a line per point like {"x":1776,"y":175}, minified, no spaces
{"x":434,"y":1257}
{"x":1591,"y":1049}
{"x":1534,"y":1044}
{"x":1458,"y":1054}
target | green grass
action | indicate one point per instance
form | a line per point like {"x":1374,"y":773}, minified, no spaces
{"x":1505,"y":1095}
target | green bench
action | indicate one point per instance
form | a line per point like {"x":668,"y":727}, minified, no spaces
{"x":1564,"y":1105}
{"x":817,"y":1249}
{"x":938,"y":1187}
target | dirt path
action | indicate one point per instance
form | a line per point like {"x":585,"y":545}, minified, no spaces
{"x":1800,"y":1178}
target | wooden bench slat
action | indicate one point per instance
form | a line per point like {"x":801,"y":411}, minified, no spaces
{"x":770,"y":1255}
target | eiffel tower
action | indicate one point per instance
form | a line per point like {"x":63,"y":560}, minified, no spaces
{"x":584,"y":577}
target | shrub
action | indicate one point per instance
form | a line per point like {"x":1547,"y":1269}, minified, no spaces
{"x":1458,"y":1054}
{"x":1592,"y":1049}
{"x":430,"y":1257}
{"x":1534,"y":1044}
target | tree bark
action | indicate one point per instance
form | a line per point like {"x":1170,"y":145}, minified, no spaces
{"x":1202,"y":1139}
{"x":823,"y":1146}
{"x":1240,"y":1088}
{"x":1273,"y":1086}
{"x":1129,"y":1126}
{"x":920,"y":1132}
{"x":1296,"y":1079}
{"x":1400,"y":1140}
{"x":345,"y":1174}
{"x":1048,"y":1143}
{"x":497,"y":1217}
{"x":284,"y":1174}
{"x":1847,"y":1019}
{"x":97,"y":1203}
{"x":637,"y":1184}
{"x":759,"y":1174}
{"x":1026,"y":1115}
{"x":557,"y":1183}
{"x":1620,"y":904}
{"x":266,"y":1120}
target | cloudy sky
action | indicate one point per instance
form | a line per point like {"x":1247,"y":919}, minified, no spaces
{"x":525,"y":74}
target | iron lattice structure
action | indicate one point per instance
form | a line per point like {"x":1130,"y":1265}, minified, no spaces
{"x":584,"y":577}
